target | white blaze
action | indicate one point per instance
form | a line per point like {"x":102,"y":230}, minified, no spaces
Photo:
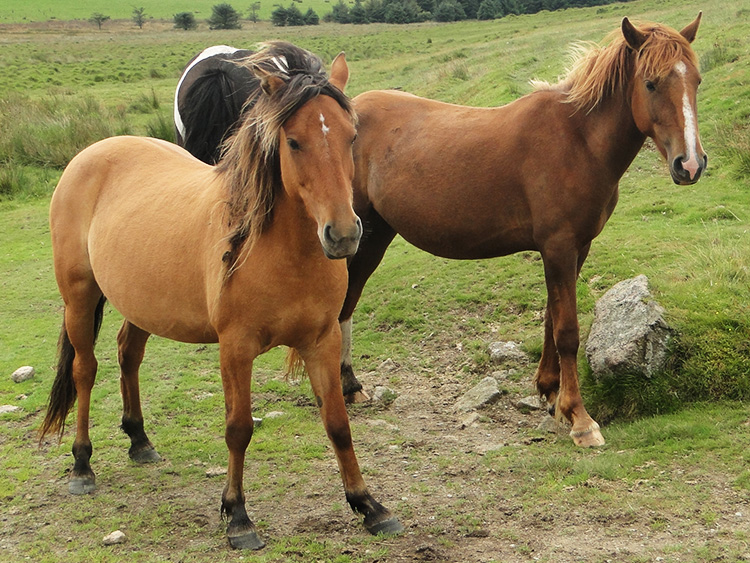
{"x":323,"y":126}
{"x":690,"y":163}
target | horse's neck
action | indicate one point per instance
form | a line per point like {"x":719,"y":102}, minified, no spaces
{"x":611,"y":132}
{"x":293,"y":228}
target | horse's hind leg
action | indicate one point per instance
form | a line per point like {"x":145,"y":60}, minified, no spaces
{"x":131,"y":343}
{"x":321,"y":368}
{"x":82,"y":321}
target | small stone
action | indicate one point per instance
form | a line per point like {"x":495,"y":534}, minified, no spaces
{"x":388,"y":366}
{"x":507,"y":352}
{"x":23,"y":374}
{"x":9,"y":408}
{"x":486,"y":448}
{"x":384,"y":394}
{"x":530,"y":403}
{"x":470,"y":420}
{"x":275,"y":414}
{"x":216,"y":472}
{"x":114,"y":538}
{"x":551,"y":425}
{"x":484,"y":393}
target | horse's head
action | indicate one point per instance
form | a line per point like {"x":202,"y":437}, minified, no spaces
{"x":317,"y":166}
{"x":664,"y":95}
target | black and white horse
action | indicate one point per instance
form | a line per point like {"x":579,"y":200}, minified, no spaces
{"x":209,"y":99}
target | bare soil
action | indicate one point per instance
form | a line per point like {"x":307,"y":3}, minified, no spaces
{"x":457,"y":502}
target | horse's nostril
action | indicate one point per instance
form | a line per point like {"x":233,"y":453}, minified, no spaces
{"x":677,"y":164}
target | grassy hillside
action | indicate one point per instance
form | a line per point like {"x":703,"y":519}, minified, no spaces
{"x":676,"y":483}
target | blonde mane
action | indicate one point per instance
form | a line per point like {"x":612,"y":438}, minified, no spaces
{"x":250,"y":158}
{"x":599,"y":72}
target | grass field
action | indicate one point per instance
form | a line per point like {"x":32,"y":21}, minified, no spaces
{"x":672,"y":487}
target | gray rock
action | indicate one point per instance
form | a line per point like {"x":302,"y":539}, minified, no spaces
{"x":482,"y":449}
{"x":9,"y":408}
{"x":629,"y":334}
{"x":114,"y":538}
{"x":553,"y":426}
{"x":388,"y":366}
{"x":507,"y":352}
{"x":216,"y":472}
{"x":275,"y":414}
{"x":384,"y":394}
{"x":469,"y":420}
{"x":23,"y":374}
{"x":530,"y":403}
{"x":484,"y":393}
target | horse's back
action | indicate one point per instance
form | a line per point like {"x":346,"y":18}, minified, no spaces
{"x":138,"y":216}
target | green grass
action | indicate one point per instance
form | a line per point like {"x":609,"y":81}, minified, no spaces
{"x":661,"y":472}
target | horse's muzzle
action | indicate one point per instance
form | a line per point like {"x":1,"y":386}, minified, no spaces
{"x":341,"y":243}
{"x":686,"y":173}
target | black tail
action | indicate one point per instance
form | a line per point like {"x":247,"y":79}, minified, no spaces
{"x":212,"y":108}
{"x":63,"y":394}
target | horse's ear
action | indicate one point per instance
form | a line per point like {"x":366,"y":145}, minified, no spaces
{"x":690,"y":30}
{"x":339,"y":71}
{"x":634,"y":38}
{"x":269,"y":83}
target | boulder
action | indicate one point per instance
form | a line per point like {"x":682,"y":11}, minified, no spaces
{"x":23,"y":373}
{"x":501,"y":352}
{"x":629,"y":334}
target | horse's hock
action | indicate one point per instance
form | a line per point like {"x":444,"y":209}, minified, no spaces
{"x":629,"y":334}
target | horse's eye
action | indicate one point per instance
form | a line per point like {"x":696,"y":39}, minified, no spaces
{"x":650,"y":86}
{"x":294,"y":145}
{"x":354,"y":139}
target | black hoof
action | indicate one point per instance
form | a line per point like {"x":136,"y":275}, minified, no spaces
{"x":147,"y":455}
{"x":81,"y":485}
{"x":389,"y":527}
{"x":248,"y":540}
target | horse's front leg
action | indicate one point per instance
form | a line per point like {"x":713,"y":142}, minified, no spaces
{"x":236,"y":372}
{"x":561,"y":266}
{"x":547,"y":377}
{"x":321,"y":361}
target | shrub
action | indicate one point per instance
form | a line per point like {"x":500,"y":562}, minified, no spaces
{"x":311,"y":17}
{"x":223,"y":16}
{"x":185,"y":20}
{"x":449,"y":11}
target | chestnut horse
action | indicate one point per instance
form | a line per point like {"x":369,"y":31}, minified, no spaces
{"x":540,"y":173}
{"x":243,"y":254}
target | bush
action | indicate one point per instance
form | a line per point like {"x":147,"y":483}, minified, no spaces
{"x":311,"y":18}
{"x":223,"y":16}
{"x":185,"y":20}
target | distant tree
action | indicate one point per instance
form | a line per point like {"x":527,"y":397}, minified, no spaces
{"x":509,"y":7}
{"x":98,"y":19}
{"x":470,"y":8}
{"x":278,"y":16}
{"x":185,"y":20}
{"x":488,"y":10}
{"x":395,"y":13}
{"x":449,"y":11}
{"x":340,"y":13}
{"x":375,"y":11}
{"x":254,"y":9}
{"x":426,"y":5}
{"x":139,"y":17}
{"x":294,"y":16}
{"x":223,"y":16}
{"x":358,"y":14}
{"x":311,"y":18}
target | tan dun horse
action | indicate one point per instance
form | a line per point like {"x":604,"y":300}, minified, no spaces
{"x":539,"y":174}
{"x":242,"y":254}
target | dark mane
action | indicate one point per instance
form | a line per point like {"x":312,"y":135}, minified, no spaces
{"x":598,"y":72}
{"x":250,"y":162}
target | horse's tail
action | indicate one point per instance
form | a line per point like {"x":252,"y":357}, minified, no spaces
{"x":63,"y":394}
{"x":211,"y":112}
{"x":295,"y":367}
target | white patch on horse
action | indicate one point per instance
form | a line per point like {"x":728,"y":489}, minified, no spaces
{"x":346,"y":342}
{"x":205,"y":54}
{"x":323,"y":126}
{"x":281,"y":63}
{"x":690,"y":162}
